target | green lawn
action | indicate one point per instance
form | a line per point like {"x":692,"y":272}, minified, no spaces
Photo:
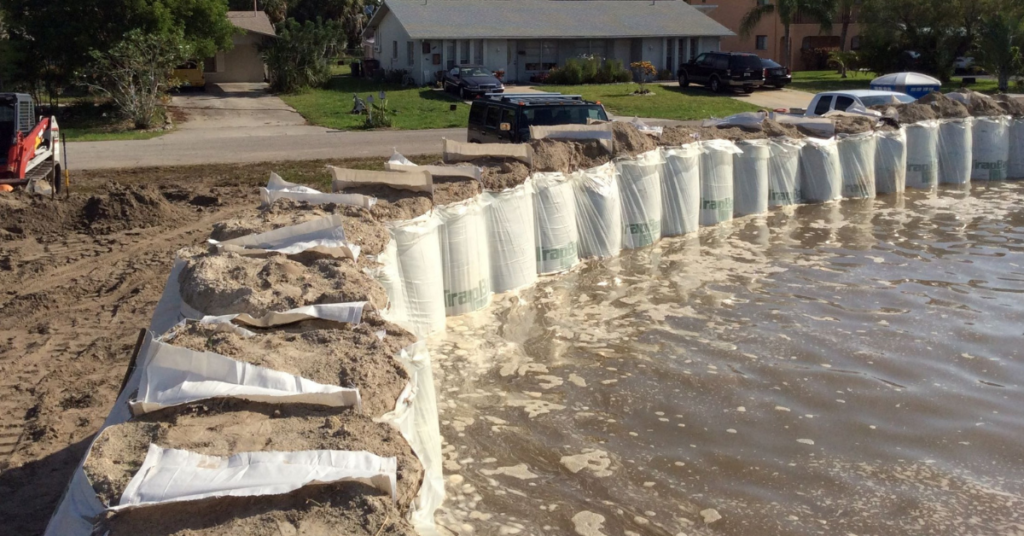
{"x":89,"y":121}
{"x":817,"y":81}
{"x":668,"y":102}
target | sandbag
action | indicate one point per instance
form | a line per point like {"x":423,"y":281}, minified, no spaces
{"x":784,"y":172}
{"x":750,"y":177}
{"x":991,"y":148}
{"x":418,"y":250}
{"x":680,"y":190}
{"x":465,"y":258}
{"x":891,"y":161}
{"x":857,"y":158}
{"x":821,"y":174}
{"x":955,"y":148}
{"x":511,"y":237}
{"x":555,"y":217}
{"x":598,"y":211}
{"x":1015,"y":165}
{"x":640,"y":192}
{"x":716,"y":188}
{"x":923,"y":155}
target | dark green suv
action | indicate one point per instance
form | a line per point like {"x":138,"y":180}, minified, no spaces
{"x":506,"y":118}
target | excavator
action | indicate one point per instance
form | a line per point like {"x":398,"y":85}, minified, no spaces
{"x":34,"y":148}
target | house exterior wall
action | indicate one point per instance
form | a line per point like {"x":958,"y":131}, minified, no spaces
{"x":240,"y":64}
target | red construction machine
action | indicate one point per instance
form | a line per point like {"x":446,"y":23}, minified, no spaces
{"x":34,"y":146}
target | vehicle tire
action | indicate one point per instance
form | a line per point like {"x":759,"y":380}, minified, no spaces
{"x":716,"y":85}
{"x":780,"y":86}
{"x":462,"y":94}
{"x":748,"y":90}
{"x":684,"y":80}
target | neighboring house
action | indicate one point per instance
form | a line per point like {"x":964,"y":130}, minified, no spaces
{"x":525,"y":38}
{"x":766,"y":39}
{"x":243,"y":62}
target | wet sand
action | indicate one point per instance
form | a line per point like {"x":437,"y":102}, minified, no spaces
{"x":850,"y":368}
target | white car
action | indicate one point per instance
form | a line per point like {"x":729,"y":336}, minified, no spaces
{"x":829,"y":101}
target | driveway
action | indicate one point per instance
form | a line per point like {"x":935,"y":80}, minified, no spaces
{"x":234,"y":106}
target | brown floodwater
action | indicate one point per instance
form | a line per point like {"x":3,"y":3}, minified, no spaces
{"x":847,"y":369}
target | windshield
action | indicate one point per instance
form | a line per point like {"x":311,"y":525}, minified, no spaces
{"x":769,"y":64}
{"x":878,"y":100}
{"x":473,"y":71}
{"x":745,"y":63}
{"x":562,"y":115}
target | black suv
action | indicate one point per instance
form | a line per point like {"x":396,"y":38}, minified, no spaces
{"x":507,"y":118}
{"x":723,"y":70}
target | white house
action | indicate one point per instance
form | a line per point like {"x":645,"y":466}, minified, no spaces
{"x":528,"y":37}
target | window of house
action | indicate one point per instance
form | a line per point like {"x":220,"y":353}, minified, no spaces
{"x":463,"y":52}
{"x":450,"y":60}
{"x":855,"y":42}
{"x":410,"y":49}
{"x":762,"y":42}
{"x":394,"y":49}
{"x":478,"y":52}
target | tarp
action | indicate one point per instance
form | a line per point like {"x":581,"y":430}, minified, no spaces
{"x":555,"y":216}
{"x":640,"y":190}
{"x":784,"y":172}
{"x":465,"y":258}
{"x":821,"y":173}
{"x":857,"y":158}
{"x":923,"y":155}
{"x":278,"y":188}
{"x":991,"y":148}
{"x":955,"y":150}
{"x":598,"y":211}
{"x":325,"y":236}
{"x":511,"y":237}
{"x":680,"y":190}
{"x":750,"y":177}
{"x":891,"y":161}
{"x":716,"y":187}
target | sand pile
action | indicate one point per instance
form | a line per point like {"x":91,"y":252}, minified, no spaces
{"x":774,"y":129}
{"x":504,"y":175}
{"x":854,"y":124}
{"x":943,"y":106}
{"x":629,"y":141}
{"x":983,"y":106}
{"x":568,"y":156}
{"x":228,"y":427}
{"x":454,"y":189}
{"x":909,"y":113}
{"x":1010,"y":105}
{"x":680,"y":135}
{"x":128,"y":207}
{"x":23,"y":214}
{"x":325,"y":352}
{"x":228,"y":283}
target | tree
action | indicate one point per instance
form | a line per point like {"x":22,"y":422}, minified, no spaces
{"x":820,"y":11}
{"x":999,"y":47}
{"x":299,"y":57}
{"x":276,"y":10}
{"x":845,"y":11}
{"x":350,"y":13}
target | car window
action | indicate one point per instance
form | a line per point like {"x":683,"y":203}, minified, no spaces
{"x":493,"y":113}
{"x":824,"y":102}
{"x":508,"y":116}
{"x":476,"y":114}
{"x":745,"y":63}
{"x":842,"y":103}
{"x":770,"y":64}
{"x":473,"y":71}
{"x":562,"y":115}
{"x":721,"y":62}
{"x":905,"y":99}
{"x":701,"y":59}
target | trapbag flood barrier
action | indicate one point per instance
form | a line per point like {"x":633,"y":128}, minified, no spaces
{"x":716,"y":181}
{"x":511,"y":238}
{"x":891,"y":161}
{"x":857,"y":157}
{"x":750,"y":177}
{"x":557,"y":236}
{"x":923,"y":155}
{"x":991,"y":148}
{"x":821,"y":173}
{"x":640,"y":191}
{"x":955,"y":151}
{"x":680,"y":190}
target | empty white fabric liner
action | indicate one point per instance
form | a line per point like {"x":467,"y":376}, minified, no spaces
{"x":640,"y":193}
{"x":821,"y":174}
{"x":891,"y":161}
{"x":171,"y":475}
{"x":465,"y":259}
{"x":460,"y":151}
{"x":398,"y":162}
{"x":421,"y":274}
{"x":923,"y":155}
{"x":680,"y":190}
{"x":1015,"y":165}
{"x":322,"y":235}
{"x":955,"y":149}
{"x":747,"y":120}
{"x":598,"y":211}
{"x":750,"y":177}
{"x":784,"y":172}
{"x":349,"y":313}
{"x":991,"y":148}
{"x":511,"y":237}
{"x":716,"y":189}
{"x":173,"y":376}
{"x":555,"y":215}
{"x":645,"y":128}
{"x":857,"y":158}
{"x":278,"y":188}
{"x":387,"y":274}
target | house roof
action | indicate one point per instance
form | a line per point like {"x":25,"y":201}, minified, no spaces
{"x":252,"y":21}
{"x":565,"y":19}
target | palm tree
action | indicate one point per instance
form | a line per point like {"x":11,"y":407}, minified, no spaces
{"x":820,"y":11}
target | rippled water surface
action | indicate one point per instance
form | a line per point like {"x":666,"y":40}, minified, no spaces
{"x":833,"y":369}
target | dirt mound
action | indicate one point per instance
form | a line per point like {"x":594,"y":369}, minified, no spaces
{"x":325,"y":352}
{"x":982,"y":105}
{"x":944,"y":107}
{"x":1010,"y":105}
{"x":854,"y":124}
{"x":554,"y":155}
{"x":504,"y":175}
{"x":220,"y":284}
{"x":915,"y":113}
{"x":228,"y":427}
{"x":676,"y":136}
{"x":629,"y":141}
{"x":349,"y":509}
{"x":774,"y":129}
{"x":452,"y":190}
{"x":128,"y":207}
{"x":23,"y":214}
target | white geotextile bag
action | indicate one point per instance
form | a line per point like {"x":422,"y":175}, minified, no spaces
{"x":991,"y":148}
{"x":857,"y":158}
{"x":324,"y":235}
{"x":784,"y":172}
{"x":680,"y":190}
{"x":278,"y":188}
{"x":955,"y":150}
{"x":397,"y":162}
{"x":598,"y":211}
{"x":891,"y":161}
{"x":465,"y":258}
{"x":750,"y":177}
{"x":387,"y":274}
{"x":821,"y":174}
{"x":923,"y":155}
{"x":1015,"y":165}
{"x":716,"y":188}
{"x":555,"y":215}
{"x":640,"y":193}
{"x":511,"y":237}
{"x":418,"y":252}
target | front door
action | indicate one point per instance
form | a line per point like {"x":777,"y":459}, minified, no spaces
{"x":512,"y":63}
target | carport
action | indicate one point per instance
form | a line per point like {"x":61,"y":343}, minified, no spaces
{"x":242,"y":64}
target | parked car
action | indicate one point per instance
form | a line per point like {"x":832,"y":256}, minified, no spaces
{"x":471,"y":81}
{"x":507,"y":118}
{"x":189,"y":75}
{"x":723,"y":70}
{"x":775,"y":74}
{"x":842,"y":100}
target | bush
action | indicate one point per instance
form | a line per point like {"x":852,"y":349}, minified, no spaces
{"x":588,"y":70}
{"x":299,"y":57}
{"x":665,"y":74}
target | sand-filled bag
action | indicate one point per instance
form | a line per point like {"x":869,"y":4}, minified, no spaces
{"x":923,"y":155}
{"x":555,"y":218}
{"x":680,"y":190}
{"x":511,"y":237}
{"x":955,"y":150}
{"x":784,"y":172}
{"x":991,"y":148}
{"x":598,"y":211}
{"x":418,"y":253}
{"x":821,"y":173}
{"x":465,"y":258}
{"x":891,"y":161}
{"x":1015,"y":164}
{"x":750,"y":177}
{"x":640,"y":193}
{"x":857,"y":158}
{"x":716,"y":187}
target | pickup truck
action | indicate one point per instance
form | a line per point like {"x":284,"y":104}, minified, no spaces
{"x":829,"y":101}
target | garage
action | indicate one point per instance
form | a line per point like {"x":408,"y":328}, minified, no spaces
{"x":243,"y":62}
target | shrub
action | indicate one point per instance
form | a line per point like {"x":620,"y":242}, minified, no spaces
{"x":298,"y":57}
{"x":589,"y":70}
{"x":665,"y":74}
